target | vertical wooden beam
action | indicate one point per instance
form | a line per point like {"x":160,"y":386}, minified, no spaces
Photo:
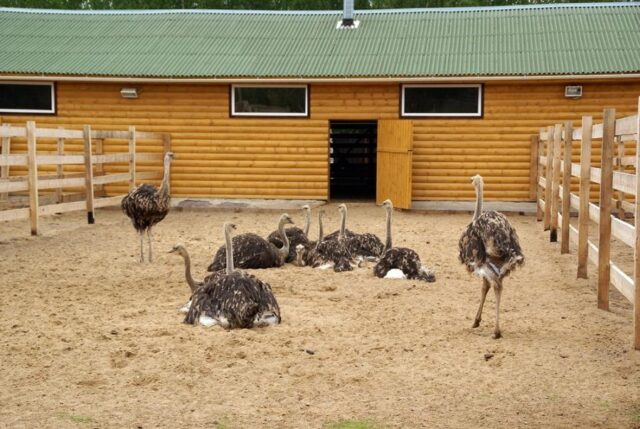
{"x":99,"y":145}
{"x":619,"y":156}
{"x":636,"y":250}
{"x":132,"y":158}
{"x":548,"y":177}
{"x":539,"y":189}
{"x":60,"y":168}
{"x":533,"y":168}
{"x":606,"y":193}
{"x":555,"y":189}
{"x":166,"y":142}
{"x":88,"y":169}
{"x":4,"y":170}
{"x":585,"y":189}
{"x":566,"y":187}
{"x":32,"y":177}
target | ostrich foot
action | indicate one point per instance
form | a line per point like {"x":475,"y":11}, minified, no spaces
{"x":497,"y":335}
{"x":476,"y":323}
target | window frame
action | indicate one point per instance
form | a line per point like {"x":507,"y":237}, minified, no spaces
{"x":477,"y":115}
{"x":53,"y":110}
{"x":232,"y":101}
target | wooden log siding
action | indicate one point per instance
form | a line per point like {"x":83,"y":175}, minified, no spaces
{"x":219,"y":156}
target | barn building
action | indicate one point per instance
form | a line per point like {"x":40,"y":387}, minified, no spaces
{"x":407,"y":103}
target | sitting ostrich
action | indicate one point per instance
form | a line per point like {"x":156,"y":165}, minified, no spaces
{"x":147,"y":205}
{"x":330,"y":253}
{"x":253,"y":251}
{"x":295,"y":235}
{"x":233,"y":299}
{"x":489,"y":247}
{"x":399,"y":262}
{"x":307,"y":254}
{"x":364,"y":245}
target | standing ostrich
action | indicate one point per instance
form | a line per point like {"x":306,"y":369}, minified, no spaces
{"x":400,"y":262}
{"x":233,"y":299}
{"x":295,"y":235}
{"x":489,"y":247}
{"x":253,"y":251}
{"x":147,"y":205}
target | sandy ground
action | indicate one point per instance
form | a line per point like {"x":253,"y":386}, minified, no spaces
{"x":91,"y":338}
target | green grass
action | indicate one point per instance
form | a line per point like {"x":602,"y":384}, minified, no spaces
{"x":353,"y":424}
{"x":76,"y":419}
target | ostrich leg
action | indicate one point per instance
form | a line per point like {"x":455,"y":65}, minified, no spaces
{"x":149,"y":238}
{"x":498,"y":290}
{"x":485,"y":288}
{"x":142,"y":246}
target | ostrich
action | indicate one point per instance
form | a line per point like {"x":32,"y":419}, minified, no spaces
{"x":307,"y":254}
{"x":253,"y":251}
{"x":233,"y":299}
{"x":330,"y":253}
{"x":364,"y":245}
{"x":489,"y":247}
{"x":399,"y":262}
{"x":147,"y":205}
{"x":193,"y":285}
{"x":295,"y":235}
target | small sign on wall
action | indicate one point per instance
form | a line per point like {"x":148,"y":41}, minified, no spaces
{"x":573,"y":91}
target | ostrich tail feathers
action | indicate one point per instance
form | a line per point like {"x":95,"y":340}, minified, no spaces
{"x":426,"y":275}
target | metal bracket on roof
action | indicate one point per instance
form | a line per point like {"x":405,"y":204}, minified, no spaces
{"x":341,"y":26}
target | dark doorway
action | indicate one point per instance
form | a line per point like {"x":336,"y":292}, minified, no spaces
{"x":352,"y":158}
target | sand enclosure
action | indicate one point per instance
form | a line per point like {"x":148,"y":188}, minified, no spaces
{"x":91,"y":338}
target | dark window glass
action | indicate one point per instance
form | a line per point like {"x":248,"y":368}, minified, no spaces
{"x":442,"y":100}
{"x":270,"y":100}
{"x":25,"y":97}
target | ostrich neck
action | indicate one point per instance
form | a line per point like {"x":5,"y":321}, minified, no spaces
{"x":284,"y":251}
{"x":388,"y":242}
{"x":307,"y":222}
{"x":229,"y":243}
{"x":343,"y":224}
{"x":478,"y":211}
{"x":187,"y":272}
{"x":320,"y":229}
{"x":164,"y":187}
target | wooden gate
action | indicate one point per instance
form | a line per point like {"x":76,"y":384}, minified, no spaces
{"x":395,"y":155}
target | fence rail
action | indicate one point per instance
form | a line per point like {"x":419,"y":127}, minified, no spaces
{"x":552,"y":151}
{"x":88,"y":180}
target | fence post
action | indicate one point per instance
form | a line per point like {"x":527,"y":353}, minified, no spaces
{"x":620,"y":155}
{"x":606,"y":194}
{"x":100,"y":167}
{"x":166,"y":142}
{"x":539,"y":191}
{"x":566,"y":187}
{"x":636,"y":250}
{"x":88,"y":169}
{"x":132,"y":158}
{"x":33,"y":177}
{"x":6,"y":150}
{"x":533,"y":168}
{"x":585,"y":189}
{"x":555,"y":197}
{"x":548,"y":177}
{"x":60,"y":168}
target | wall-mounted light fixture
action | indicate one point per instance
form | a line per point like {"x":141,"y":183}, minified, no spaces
{"x":573,"y":91}
{"x":129,"y":92}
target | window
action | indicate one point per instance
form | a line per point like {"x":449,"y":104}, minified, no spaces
{"x":442,"y":100}
{"x":27,"y":97}
{"x":264,"y":100}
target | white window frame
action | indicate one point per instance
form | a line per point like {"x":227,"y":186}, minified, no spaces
{"x":477,"y":114}
{"x":19,"y":82}
{"x":281,"y":114}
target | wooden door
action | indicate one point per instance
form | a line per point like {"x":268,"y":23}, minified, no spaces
{"x":395,"y":155}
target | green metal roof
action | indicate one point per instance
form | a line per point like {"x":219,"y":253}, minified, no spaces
{"x":500,"y":41}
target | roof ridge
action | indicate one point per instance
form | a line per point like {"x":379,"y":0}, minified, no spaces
{"x":317,"y":12}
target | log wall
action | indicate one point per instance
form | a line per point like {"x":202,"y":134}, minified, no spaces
{"x":219,"y":156}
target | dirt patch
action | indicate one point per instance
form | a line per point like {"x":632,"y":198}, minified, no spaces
{"x":91,"y":338}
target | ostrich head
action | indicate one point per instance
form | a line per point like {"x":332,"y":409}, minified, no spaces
{"x":285,"y":219}
{"x":169,"y":156}
{"x":342,"y":208}
{"x":229,"y":227}
{"x":179,"y":249}
{"x":306,"y":208}
{"x":387,"y":204}
{"x":477,"y":180}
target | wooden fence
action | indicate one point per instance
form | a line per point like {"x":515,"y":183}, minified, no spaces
{"x":617,"y":177}
{"x":87,"y":180}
